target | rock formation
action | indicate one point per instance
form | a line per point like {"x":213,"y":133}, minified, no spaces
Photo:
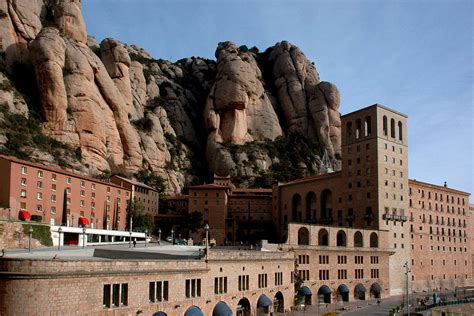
{"x":124,"y":111}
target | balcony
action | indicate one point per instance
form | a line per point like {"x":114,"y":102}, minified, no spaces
{"x":393,"y":217}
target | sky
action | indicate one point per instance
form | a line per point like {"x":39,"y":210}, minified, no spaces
{"x":413,"y":56}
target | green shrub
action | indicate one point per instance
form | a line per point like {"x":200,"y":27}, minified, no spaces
{"x":40,"y":232}
{"x":151,"y":179}
{"x":3,"y":14}
{"x":144,"y":124}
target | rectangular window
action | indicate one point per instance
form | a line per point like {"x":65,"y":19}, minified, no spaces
{"x":23,"y":182}
{"x":151,"y":292}
{"x":68,"y":190}
{"x":193,"y":288}
{"x":53,"y":209}
{"x":39,"y":185}
{"x":68,"y":180}
{"x":115,"y":295}
{"x":23,"y":193}
{"x":93,"y":186}
{"x":40,"y":174}
{"x":83,"y":184}
{"x":106,"y":296}
{"x":53,"y":177}
{"x":124,"y":294}
{"x":24,"y":170}
{"x":53,"y":187}
{"x":39,"y":196}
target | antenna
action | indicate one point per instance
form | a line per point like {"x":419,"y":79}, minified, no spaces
{"x":326,"y":165}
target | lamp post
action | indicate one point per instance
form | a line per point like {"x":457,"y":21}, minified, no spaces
{"x":159,"y":236}
{"x":407,"y":272}
{"x":172,"y":236}
{"x":130,"y":240}
{"x":207,"y":239}
{"x":146,"y":233}
{"x":83,"y":237}
{"x":9,"y":212}
{"x":60,"y":230}
{"x":30,"y":234}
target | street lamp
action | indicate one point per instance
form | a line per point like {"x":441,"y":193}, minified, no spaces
{"x":60,"y":230}
{"x":83,"y":237}
{"x":146,"y":233}
{"x":206,"y":228}
{"x":30,"y":234}
{"x":130,"y":240}
{"x":172,"y":236}
{"x":159,"y":236}
{"x":407,"y":272}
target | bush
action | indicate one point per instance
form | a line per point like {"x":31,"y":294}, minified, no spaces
{"x":37,"y":218}
{"x":3,"y":14}
{"x":40,"y":232}
{"x":144,"y":124}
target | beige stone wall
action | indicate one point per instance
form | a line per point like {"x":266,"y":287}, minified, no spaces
{"x":76,"y":287}
{"x":13,"y":237}
{"x":440,"y":237}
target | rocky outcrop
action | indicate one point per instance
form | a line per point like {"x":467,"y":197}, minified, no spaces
{"x":124,"y":111}
{"x":309,"y":107}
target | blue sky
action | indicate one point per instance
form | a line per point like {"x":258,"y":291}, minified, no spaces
{"x":413,"y":56}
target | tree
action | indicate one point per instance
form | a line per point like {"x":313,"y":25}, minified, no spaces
{"x":141,"y":221}
{"x":151,"y":179}
{"x":194,"y":222}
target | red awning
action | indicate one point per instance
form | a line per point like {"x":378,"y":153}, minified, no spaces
{"x":24,"y":215}
{"x":83,"y":221}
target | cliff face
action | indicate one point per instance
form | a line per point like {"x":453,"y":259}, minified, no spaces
{"x":116,"y":109}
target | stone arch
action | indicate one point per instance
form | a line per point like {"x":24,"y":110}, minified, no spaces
{"x":359,"y":292}
{"x":324,"y":294}
{"x":221,"y":309}
{"x":303,"y":236}
{"x":341,"y":239}
{"x":306,"y":294}
{"x":311,"y":207}
{"x":160,"y":313}
{"x":193,"y":311}
{"x":263,"y":305}
{"x":326,"y":206}
{"x":343,"y":293}
{"x":279,"y":303}
{"x":323,"y":237}
{"x":358,"y":239}
{"x":349,"y":130}
{"x":358,"y":128}
{"x":374,"y":240}
{"x":296,"y":208}
{"x":367,"y":126}
{"x":392,"y":128}
{"x":400,"y":130}
{"x":375,"y":290}
{"x":243,"y":307}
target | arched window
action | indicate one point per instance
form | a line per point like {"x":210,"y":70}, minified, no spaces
{"x":349,"y":130}
{"x":323,"y":237}
{"x":310,"y":207}
{"x":326,"y":206}
{"x":303,"y":236}
{"x":367,"y":126}
{"x":385,"y":126}
{"x":358,"y":239}
{"x":341,"y":240}
{"x":392,"y":128}
{"x":358,"y":128}
{"x":296,"y":208}
{"x":400,"y":131}
{"x":374,"y":240}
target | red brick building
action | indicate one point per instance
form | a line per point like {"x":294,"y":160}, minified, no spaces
{"x":60,"y":197}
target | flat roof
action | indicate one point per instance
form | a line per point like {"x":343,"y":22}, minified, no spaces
{"x":210,"y":186}
{"x":311,"y":178}
{"x":438,"y":187}
{"x":58,"y":170}
{"x":377,"y":105}
{"x":135,"y":182}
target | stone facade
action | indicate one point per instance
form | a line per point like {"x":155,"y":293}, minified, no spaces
{"x":60,"y":196}
{"x":81,"y":287}
{"x":440,"y":235}
{"x":145,"y":196}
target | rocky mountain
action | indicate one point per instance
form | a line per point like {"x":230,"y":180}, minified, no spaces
{"x":111,"y":108}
